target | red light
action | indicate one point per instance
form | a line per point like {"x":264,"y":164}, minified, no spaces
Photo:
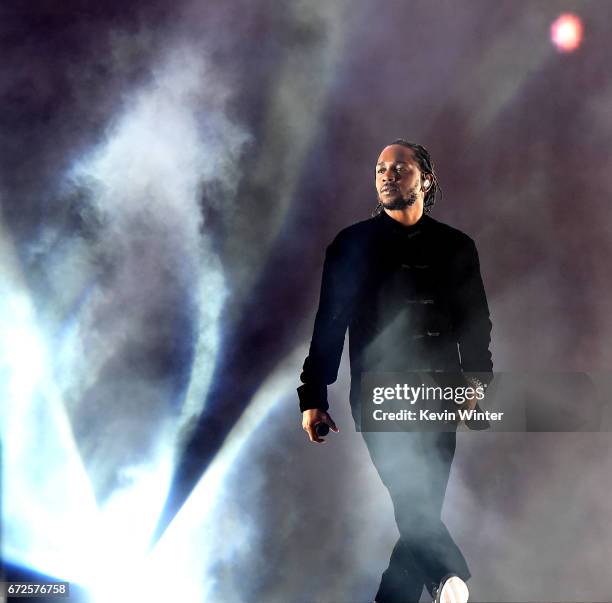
{"x":566,"y":32}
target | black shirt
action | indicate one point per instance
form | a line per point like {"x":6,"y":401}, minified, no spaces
{"x":412,"y":298}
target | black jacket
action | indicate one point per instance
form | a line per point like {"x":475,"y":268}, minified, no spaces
{"x":412,"y":298}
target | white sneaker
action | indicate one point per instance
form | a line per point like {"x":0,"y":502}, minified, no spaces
{"x":452,"y":590}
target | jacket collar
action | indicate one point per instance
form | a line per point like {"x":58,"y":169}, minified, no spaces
{"x":393,"y":225}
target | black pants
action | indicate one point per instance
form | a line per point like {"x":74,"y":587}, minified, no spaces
{"x":415,"y":467}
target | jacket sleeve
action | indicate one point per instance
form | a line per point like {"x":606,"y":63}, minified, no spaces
{"x":470,"y":313}
{"x":333,"y":315}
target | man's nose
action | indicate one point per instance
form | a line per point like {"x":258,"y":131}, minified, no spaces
{"x":389,"y":174}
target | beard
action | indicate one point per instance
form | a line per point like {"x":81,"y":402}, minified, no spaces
{"x":399,"y":202}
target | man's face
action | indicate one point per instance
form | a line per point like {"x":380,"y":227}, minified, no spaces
{"x":398,"y":178}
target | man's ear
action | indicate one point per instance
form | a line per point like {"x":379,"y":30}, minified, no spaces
{"x":427,"y":181}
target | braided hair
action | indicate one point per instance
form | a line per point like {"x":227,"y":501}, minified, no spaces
{"x":422,"y":157}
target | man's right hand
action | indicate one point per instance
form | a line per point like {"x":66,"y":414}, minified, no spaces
{"x":313,"y":416}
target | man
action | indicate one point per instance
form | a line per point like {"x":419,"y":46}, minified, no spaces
{"x":409,"y":290}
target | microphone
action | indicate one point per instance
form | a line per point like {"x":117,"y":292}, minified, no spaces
{"x":322,"y":429}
